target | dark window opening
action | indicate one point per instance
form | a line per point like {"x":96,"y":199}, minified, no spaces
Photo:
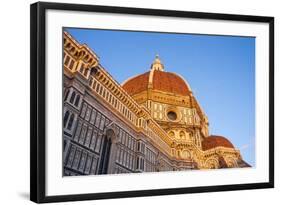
{"x":70,"y":122}
{"x":66,"y":115}
{"x":77,"y":100}
{"x":66,"y":95}
{"x":66,"y":60}
{"x":172,"y":115}
{"x":72,"y":97}
{"x":103,"y":168}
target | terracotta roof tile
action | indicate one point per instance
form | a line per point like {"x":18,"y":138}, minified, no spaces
{"x":136,"y":84}
{"x":162,"y":81}
{"x":216,"y":141}
{"x":169,"y":82}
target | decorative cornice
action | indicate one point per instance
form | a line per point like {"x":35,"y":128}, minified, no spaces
{"x":80,"y":52}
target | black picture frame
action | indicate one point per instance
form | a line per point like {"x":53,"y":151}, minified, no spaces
{"x":38,"y":101}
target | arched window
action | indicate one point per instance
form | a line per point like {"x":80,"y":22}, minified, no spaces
{"x":103,"y":167}
{"x":72,"y":97}
{"x":81,"y":68}
{"x":182,"y":135}
{"x":85,"y":72}
{"x":71,"y":64}
{"x":70,"y":122}
{"x":186,"y":154}
{"x":179,"y":153}
{"x":172,"y":134}
{"x":66,"y":95}
{"x":77,"y":100}
{"x":67,"y":58}
{"x":66,"y":115}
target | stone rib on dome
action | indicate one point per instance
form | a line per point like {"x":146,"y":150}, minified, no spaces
{"x":216,"y":141}
{"x":162,"y":81}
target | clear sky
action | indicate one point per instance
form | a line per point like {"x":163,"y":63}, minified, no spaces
{"x":219,"y":69}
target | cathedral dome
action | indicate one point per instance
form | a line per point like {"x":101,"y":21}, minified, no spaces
{"x":157,"y":79}
{"x":216,"y":141}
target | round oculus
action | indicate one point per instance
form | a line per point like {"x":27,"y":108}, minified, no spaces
{"x":172,"y":115}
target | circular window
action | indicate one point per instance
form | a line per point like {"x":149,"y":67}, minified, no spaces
{"x":172,"y":115}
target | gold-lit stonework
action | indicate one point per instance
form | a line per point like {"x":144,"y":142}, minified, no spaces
{"x":152,"y":122}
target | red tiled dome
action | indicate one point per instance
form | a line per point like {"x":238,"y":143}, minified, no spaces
{"x":162,"y":81}
{"x":216,"y":141}
{"x":136,"y":84}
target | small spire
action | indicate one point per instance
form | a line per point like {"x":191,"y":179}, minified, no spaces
{"x":157,"y":65}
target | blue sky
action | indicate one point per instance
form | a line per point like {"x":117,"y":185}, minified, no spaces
{"x":219,"y":69}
